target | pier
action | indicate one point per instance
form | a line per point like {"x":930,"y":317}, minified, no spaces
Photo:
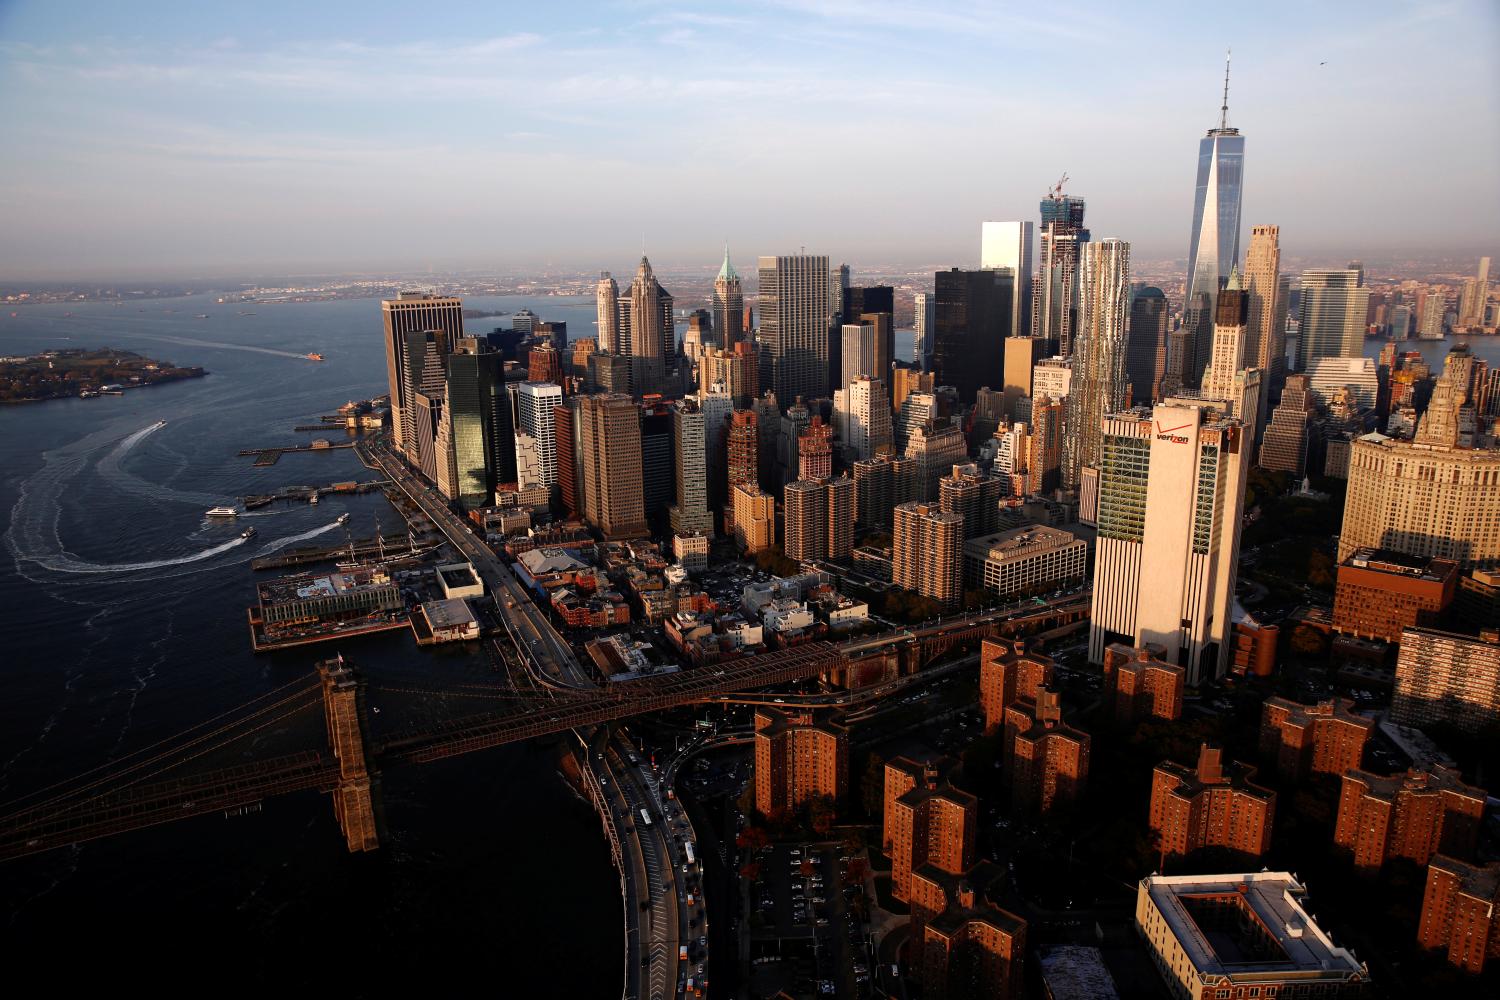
{"x":306,"y":493}
{"x":387,"y":548}
{"x":270,"y":456}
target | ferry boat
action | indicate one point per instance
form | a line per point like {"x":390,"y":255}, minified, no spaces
{"x":315,"y":356}
{"x":223,"y":512}
{"x":248,"y":533}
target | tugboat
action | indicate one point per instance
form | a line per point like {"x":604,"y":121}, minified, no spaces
{"x":248,"y":533}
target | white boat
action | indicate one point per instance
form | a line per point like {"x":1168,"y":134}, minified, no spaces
{"x":223,"y":512}
{"x":159,"y":425}
{"x":313,"y":498}
{"x":343,"y":519}
{"x":248,"y":533}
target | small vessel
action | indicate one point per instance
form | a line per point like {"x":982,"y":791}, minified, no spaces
{"x":223,"y":512}
{"x":314,"y":356}
{"x":201,"y":316}
{"x":343,"y":519}
{"x":313,"y":497}
{"x":248,"y":533}
{"x":158,"y":425}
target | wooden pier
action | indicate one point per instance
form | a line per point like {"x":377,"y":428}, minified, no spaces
{"x":395,"y":547}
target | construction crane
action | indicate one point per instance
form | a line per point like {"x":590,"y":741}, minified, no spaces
{"x":1055,"y":191}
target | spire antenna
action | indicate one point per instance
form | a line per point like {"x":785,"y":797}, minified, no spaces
{"x":1224,"y":108}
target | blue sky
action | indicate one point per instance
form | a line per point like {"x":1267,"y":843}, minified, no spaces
{"x":188,"y":138}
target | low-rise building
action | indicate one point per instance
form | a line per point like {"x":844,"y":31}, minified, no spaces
{"x":1449,"y":678}
{"x":1413,"y":815}
{"x":459,"y":580}
{"x":1461,"y":912}
{"x":1218,"y":936}
{"x":1144,"y":686}
{"x":1027,"y":560}
{"x":448,"y":620}
{"x":1304,"y":740}
{"x":298,"y":600}
{"x":1379,"y":593}
{"x":1212,"y":805}
{"x":691,"y":551}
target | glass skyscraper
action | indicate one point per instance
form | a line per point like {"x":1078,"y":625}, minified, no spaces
{"x":1215,"y":246}
{"x":483,"y":451}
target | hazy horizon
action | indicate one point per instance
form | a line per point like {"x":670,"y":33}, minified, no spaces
{"x":174,"y":141}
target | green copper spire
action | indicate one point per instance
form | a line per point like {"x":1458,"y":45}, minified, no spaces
{"x":726,"y":272}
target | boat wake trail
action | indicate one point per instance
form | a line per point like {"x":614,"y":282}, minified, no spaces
{"x":221,"y":345}
{"x":272,"y":546}
{"x":62,"y":563}
{"x":110,"y":467}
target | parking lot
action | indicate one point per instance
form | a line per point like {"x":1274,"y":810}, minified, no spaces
{"x":810,"y":934}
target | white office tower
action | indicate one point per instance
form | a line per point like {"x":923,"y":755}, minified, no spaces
{"x":1008,"y":244}
{"x":1473,"y":298}
{"x":1051,"y":377}
{"x":717,"y":404}
{"x":607,"y":308}
{"x":1434,"y":309}
{"x":862,"y":418}
{"x":1099,"y":385}
{"x":536,"y":422}
{"x":860,"y":353}
{"x":924,"y":321}
{"x":690,"y":443}
{"x":1171,"y":492}
{"x":1012,"y":459}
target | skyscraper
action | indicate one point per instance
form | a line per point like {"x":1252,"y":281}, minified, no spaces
{"x":728,"y":306}
{"x":1283,"y":446}
{"x":794,"y":317}
{"x":536,"y":431}
{"x":972,"y":317}
{"x":1146,"y":356}
{"x":1054,"y":311}
{"x":1022,"y":352}
{"x":652,"y":335}
{"x":1332,"y":321}
{"x":420,"y":330}
{"x":862,"y":417}
{"x":1476,"y":293}
{"x":690,"y":447}
{"x":1434,"y":308}
{"x":1227,"y":379}
{"x":614,"y":501}
{"x":1171,"y":493}
{"x":1215,"y":245}
{"x":607,"y":304}
{"x":1008,"y":244}
{"x":474,"y":378}
{"x":922,"y":322}
{"x":744,"y":449}
{"x":1265,"y":322}
{"x":1098,"y":385}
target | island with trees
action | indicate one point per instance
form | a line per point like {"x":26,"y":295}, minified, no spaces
{"x":86,"y":373}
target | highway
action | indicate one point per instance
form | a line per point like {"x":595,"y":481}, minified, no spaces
{"x":649,"y":869}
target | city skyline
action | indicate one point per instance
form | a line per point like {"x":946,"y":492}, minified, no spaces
{"x":147,"y":150}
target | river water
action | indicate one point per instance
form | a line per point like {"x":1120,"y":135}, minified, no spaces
{"x":123,"y":616}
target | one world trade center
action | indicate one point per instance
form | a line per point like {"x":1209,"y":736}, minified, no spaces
{"x":1215,"y":246}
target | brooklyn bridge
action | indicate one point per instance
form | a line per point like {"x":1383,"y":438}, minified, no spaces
{"x":187,"y":775}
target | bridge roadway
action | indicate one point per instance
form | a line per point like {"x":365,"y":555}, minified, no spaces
{"x":647,"y":871}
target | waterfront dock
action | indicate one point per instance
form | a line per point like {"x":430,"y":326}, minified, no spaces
{"x":261,"y":643}
{"x":390,"y":547}
{"x":306,"y":493}
{"x":270,"y":456}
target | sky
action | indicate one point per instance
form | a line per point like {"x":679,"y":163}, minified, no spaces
{"x":191,"y":139}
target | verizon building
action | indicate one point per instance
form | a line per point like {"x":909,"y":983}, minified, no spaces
{"x":1171,"y":490}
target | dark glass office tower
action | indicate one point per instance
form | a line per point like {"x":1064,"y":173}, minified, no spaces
{"x":484,"y":447}
{"x":971,"y":319}
{"x":1146,"y":350}
{"x":1214,"y":248}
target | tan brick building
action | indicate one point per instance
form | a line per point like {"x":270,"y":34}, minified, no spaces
{"x":1461,"y":912}
{"x":973,"y":951}
{"x":1413,"y":815}
{"x":1212,"y":805}
{"x":798,"y":757}
{"x":1046,"y":761}
{"x":927,"y":552}
{"x":927,"y":821}
{"x":1303,"y":740}
{"x":1143,"y":685}
{"x":1008,"y":670}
